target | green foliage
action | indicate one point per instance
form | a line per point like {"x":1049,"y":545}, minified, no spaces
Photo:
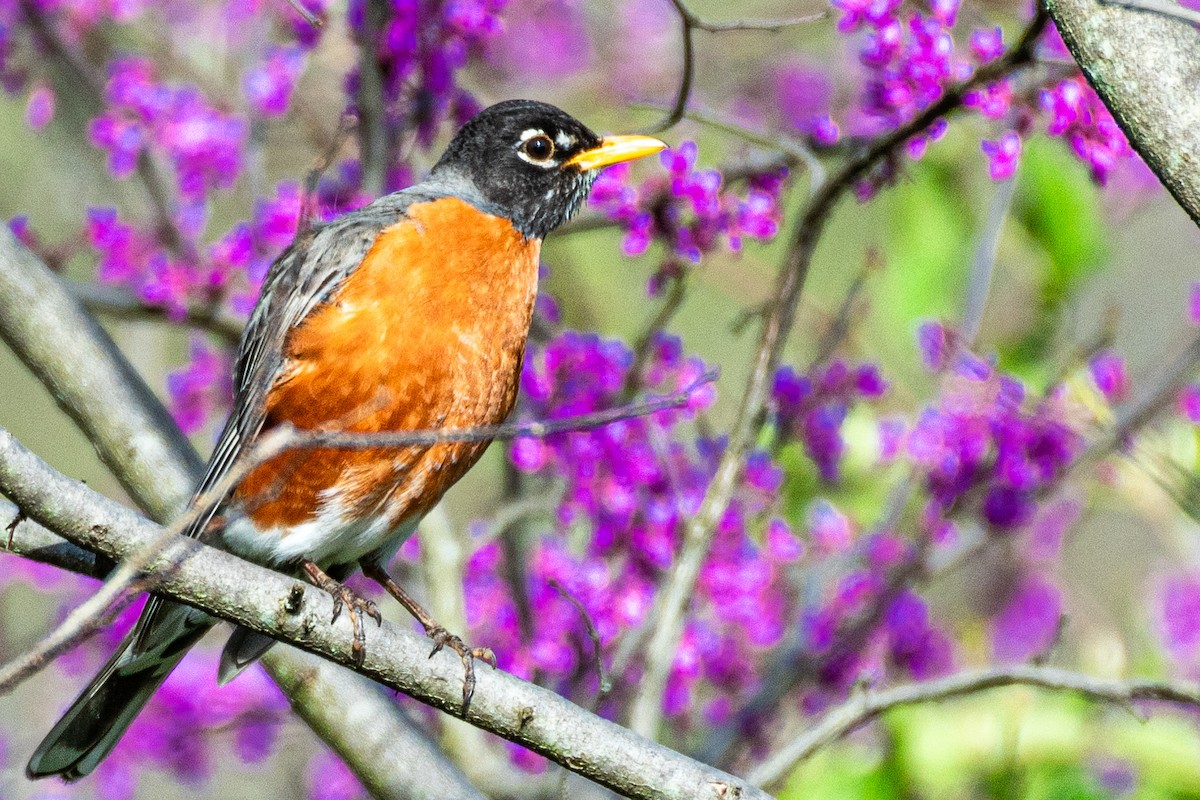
{"x":1015,"y":744}
{"x":1058,"y":210}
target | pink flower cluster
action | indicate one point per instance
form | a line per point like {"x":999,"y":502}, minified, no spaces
{"x":692,"y":211}
{"x":203,"y":144}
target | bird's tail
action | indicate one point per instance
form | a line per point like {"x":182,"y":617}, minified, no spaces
{"x":98,"y":718}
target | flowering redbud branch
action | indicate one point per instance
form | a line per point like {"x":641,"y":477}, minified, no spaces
{"x":246,"y":594}
{"x":866,"y":705}
{"x":85,"y":78}
{"x":119,"y":303}
{"x":673,"y":599}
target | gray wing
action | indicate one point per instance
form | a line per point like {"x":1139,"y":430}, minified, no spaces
{"x":300,"y":280}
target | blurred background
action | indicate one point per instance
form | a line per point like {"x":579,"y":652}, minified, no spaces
{"x":1080,"y":270}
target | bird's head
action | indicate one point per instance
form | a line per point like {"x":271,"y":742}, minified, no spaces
{"x":534,"y":163}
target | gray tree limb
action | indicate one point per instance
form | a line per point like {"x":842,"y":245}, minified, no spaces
{"x":1146,"y":68}
{"x":269,"y":602}
{"x":347,"y":711}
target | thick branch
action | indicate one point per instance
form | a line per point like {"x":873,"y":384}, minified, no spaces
{"x":1145,"y":67}
{"x":92,"y":382}
{"x":338,"y":705}
{"x":866,"y":706}
{"x":241,"y":592}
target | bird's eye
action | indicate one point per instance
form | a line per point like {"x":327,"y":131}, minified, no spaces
{"x":538,"y":148}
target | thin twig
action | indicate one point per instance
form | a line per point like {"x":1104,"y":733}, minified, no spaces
{"x":82,"y":623}
{"x":308,"y":16}
{"x":866,"y":705}
{"x":794,"y":150}
{"x":114,"y":301}
{"x":673,"y":599}
{"x":604,"y":682}
{"x":676,"y":292}
{"x":308,"y":204}
{"x":688,"y":75}
{"x":1163,"y":8}
{"x":294,"y":438}
{"x":690,"y":23}
{"x":839,"y":328}
{"x":983,"y":266}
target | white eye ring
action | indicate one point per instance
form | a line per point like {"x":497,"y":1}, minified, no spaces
{"x":537,"y":148}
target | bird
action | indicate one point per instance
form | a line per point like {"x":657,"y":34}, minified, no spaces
{"x":411,"y":313}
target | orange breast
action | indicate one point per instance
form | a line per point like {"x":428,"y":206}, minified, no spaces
{"x":428,"y":332}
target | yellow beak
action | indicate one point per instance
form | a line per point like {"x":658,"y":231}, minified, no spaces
{"x":614,"y":150}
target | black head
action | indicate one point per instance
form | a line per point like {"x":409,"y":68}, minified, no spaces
{"x":532,"y":162}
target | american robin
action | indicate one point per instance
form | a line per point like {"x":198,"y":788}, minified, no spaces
{"x":411,"y":313}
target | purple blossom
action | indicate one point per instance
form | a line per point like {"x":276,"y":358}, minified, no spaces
{"x":984,"y":434}
{"x":915,"y":645}
{"x":691,"y":210}
{"x":1028,"y":625}
{"x":831,"y":530}
{"x":1109,"y":375}
{"x":803,"y":93}
{"x":987,"y":44}
{"x":782,"y":543}
{"x":329,"y":778}
{"x":1078,"y":116}
{"x":1003,"y":155}
{"x":201,"y":390}
{"x":1189,"y":402}
{"x":269,"y":83}
{"x":203,"y":144}
{"x":813,"y":408}
{"x":993,"y":101}
{"x":39,"y":108}
{"x":1177,"y":607}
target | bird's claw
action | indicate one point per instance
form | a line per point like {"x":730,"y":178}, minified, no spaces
{"x":345,"y":598}
{"x":443,"y":638}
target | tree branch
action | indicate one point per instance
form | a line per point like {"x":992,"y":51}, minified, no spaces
{"x":113,"y":301}
{"x":1145,"y":69}
{"x":236,"y":590}
{"x":672,"y":601}
{"x":866,"y":705}
{"x":690,"y":23}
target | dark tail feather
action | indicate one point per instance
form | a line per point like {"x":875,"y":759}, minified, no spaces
{"x":98,"y":718}
{"x":243,"y":649}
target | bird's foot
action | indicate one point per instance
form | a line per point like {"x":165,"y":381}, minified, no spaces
{"x":440,"y":636}
{"x":444,"y":638}
{"x":356,"y":607}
